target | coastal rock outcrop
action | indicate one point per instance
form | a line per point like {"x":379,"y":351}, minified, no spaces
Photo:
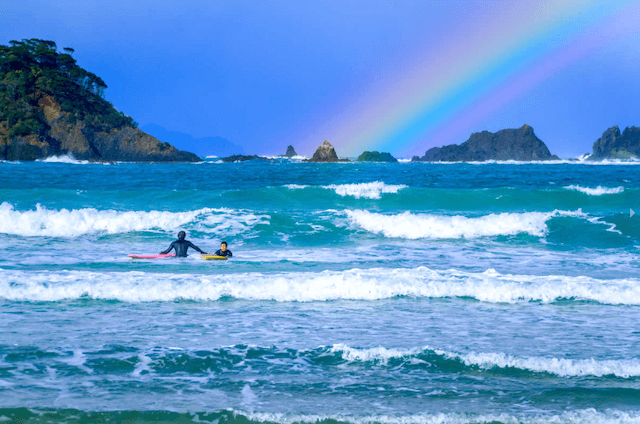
{"x":375,"y":156}
{"x":242,"y":158}
{"x":325,"y":153}
{"x":614,"y":145}
{"x":519,"y":144}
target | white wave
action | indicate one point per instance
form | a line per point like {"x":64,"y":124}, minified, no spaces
{"x":69,"y":158}
{"x":72,"y":223}
{"x":211,"y":157}
{"x":584,"y":416}
{"x":354,"y":284}
{"x":416,"y":226}
{"x":598,"y":191}
{"x":365,"y":190}
{"x":296,"y":186}
{"x":624,"y":368}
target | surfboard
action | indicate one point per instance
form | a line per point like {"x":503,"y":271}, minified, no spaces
{"x":169,"y":255}
{"x":213,"y":257}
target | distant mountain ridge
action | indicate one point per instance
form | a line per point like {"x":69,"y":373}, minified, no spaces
{"x":206,"y":146}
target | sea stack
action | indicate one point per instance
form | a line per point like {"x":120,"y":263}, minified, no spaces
{"x":519,"y":144}
{"x":291,"y":152}
{"x":325,"y":153}
{"x":613,"y":145}
{"x":376,"y":157}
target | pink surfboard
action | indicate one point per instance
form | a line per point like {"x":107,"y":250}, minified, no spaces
{"x":169,"y":255}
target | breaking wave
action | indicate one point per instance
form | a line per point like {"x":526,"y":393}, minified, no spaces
{"x":415,"y":226}
{"x":623,"y":368}
{"x":354,"y":284}
{"x":598,"y":191}
{"x":72,"y":223}
{"x":372,"y":190}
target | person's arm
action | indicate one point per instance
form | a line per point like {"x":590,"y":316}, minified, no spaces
{"x":230,"y":255}
{"x":168,"y":250}
{"x":196,"y":248}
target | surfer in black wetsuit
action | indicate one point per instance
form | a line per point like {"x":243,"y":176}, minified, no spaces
{"x":181,"y":246}
{"x":223,"y":250}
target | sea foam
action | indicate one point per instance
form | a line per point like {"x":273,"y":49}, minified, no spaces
{"x":354,"y":284}
{"x":73,"y":223}
{"x":598,"y":191}
{"x":585,"y":416}
{"x":415,"y":226}
{"x":372,"y":190}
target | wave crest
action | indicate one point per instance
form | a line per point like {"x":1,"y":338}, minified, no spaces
{"x":45,"y":222}
{"x":415,"y":226}
{"x":372,"y":190}
{"x":356,"y":284}
{"x":598,"y":191}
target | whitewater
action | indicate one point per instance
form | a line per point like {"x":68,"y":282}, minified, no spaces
{"x":405,"y":293}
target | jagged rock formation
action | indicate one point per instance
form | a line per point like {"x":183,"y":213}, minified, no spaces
{"x":326,"y":153}
{"x":613,"y":145}
{"x":376,"y":157}
{"x":291,"y":152}
{"x":242,"y":158}
{"x":511,"y":144}
{"x":51,"y":106}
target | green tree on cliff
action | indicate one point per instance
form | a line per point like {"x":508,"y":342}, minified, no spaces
{"x":33,"y":68}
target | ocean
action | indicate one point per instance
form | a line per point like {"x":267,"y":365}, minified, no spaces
{"x":361,"y":293}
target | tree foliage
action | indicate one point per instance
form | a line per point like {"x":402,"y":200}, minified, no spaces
{"x":30,"y":69}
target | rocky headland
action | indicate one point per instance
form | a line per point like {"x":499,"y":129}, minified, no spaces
{"x":616,"y":145}
{"x":519,"y":144}
{"x":50,"y":106}
{"x":375,"y":156}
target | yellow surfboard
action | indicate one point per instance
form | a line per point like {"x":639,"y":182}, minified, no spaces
{"x":213,"y":257}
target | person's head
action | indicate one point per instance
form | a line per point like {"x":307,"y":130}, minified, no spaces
{"x":223,"y":246}
{"x":181,"y":235}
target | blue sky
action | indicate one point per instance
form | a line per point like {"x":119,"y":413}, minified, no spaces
{"x":265,"y":74}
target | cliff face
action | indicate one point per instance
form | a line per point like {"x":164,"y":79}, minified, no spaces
{"x":613,"y":145}
{"x":511,"y":144}
{"x":84,"y":141}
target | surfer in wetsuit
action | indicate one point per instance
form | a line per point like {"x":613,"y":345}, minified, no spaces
{"x":223,"y":250}
{"x":181,"y":246}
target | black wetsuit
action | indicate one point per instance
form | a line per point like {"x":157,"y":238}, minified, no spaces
{"x":226,"y":253}
{"x":181,"y":247}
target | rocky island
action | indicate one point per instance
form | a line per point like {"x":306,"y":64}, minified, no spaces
{"x":291,"y":152}
{"x":325,"y":153}
{"x":51,"y":106}
{"x":375,"y":156}
{"x":519,"y":144}
{"x":614,"y":145}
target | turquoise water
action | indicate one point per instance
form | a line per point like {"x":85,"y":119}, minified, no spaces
{"x":409,"y":293}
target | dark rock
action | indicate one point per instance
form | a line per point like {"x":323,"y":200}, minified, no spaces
{"x":326,"y":153}
{"x":291,"y":152}
{"x":242,"y":158}
{"x":511,"y":144}
{"x":613,"y":145}
{"x":376,"y":157}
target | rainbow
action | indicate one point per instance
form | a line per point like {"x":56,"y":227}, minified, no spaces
{"x":452,"y":86}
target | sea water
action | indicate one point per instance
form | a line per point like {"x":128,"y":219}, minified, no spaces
{"x":406,"y":293}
